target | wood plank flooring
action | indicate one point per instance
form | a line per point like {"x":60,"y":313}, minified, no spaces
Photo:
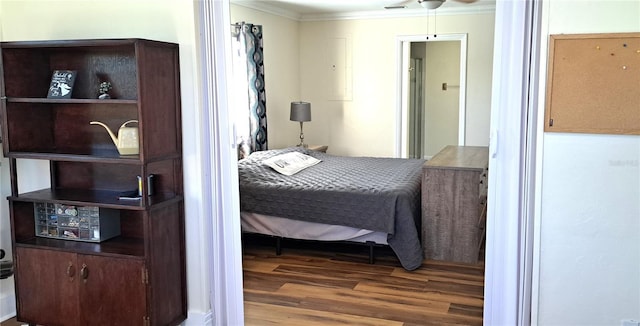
{"x":326,"y":284}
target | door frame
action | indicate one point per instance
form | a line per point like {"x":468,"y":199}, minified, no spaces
{"x":416,"y":99}
{"x":507,"y":293}
{"x":403,"y":51}
{"x":515,"y":147}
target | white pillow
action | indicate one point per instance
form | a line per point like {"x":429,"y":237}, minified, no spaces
{"x":291,"y":163}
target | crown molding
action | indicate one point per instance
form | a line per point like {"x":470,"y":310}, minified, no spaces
{"x":268,"y":8}
{"x":399,"y":13}
{"x":373,"y":14}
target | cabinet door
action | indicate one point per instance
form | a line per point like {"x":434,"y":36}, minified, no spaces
{"x":46,"y":286}
{"x":112,"y":291}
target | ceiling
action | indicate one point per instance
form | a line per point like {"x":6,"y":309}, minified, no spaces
{"x":336,"y":9}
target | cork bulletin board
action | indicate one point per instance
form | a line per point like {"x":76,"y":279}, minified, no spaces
{"x":593,"y":84}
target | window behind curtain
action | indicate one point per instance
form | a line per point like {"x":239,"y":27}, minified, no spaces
{"x":249,"y":98}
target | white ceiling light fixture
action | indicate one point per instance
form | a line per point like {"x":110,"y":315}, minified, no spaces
{"x":431,"y":4}
{"x":426,"y":4}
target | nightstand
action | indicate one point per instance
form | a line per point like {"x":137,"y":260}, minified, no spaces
{"x":319,"y":148}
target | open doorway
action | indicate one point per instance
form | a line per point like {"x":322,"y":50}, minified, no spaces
{"x":432,"y":89}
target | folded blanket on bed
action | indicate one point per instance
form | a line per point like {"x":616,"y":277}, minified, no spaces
{"x":290,"y":163}
{"x":378,"y":194}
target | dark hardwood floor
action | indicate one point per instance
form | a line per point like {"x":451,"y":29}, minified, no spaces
{"x":320,"y":284}
{"x":331,"y":284}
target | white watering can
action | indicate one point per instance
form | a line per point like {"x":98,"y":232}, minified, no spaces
{"x":127,"y":140}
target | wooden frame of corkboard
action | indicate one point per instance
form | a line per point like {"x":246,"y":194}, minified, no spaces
{"x":593,"y":84}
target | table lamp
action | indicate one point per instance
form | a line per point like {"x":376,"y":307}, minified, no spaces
{"x":300,"y":111}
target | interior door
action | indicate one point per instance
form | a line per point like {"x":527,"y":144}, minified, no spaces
{"x":112,"y":291}
{"x":46,"y":287}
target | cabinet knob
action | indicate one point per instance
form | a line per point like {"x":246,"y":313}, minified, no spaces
{"x":71,"y":270}
{"x":84,"y":272}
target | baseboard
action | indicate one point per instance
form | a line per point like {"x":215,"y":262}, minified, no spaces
{"x":198,"y":318}
{"x":7,"y":299}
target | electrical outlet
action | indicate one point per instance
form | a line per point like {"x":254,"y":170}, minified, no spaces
{"x":630,"y":322}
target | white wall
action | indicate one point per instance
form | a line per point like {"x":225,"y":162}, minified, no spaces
{"x":441,"y":106}
{"x":589,"y":218}
{"x":164,"y":20}
{"x":364,"y":124}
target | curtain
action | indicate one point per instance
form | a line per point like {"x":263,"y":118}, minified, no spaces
{"x":249,"y":99}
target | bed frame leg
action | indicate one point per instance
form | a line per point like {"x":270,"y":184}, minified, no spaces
{"x":371,"y":254}
{"x":278,"y":246}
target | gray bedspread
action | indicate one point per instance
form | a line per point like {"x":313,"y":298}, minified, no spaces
{"x":378,"y":194}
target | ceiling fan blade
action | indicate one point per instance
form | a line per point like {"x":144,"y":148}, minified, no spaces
{"x":405,"y":2}
{"x":466,"y":1}
{"x":400,"y":5}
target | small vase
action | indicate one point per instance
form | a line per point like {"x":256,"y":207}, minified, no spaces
{"x":104,"y":96}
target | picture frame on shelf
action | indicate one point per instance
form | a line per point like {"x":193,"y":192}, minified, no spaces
{"x":61,"y":85}
{"x":103,"y":90}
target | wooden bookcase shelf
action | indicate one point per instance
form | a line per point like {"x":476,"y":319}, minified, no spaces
{"x":98,"y":156}
{"x":137,"y":274}
{"x":118,"y":247}
{"x":68,"y":101}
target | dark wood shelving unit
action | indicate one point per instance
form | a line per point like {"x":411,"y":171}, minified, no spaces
{"x":137,"y":276}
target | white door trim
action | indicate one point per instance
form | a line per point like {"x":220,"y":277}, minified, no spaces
{"x":402,"y":87}
{"x":221,"y":210}
{"x":505,"y":288}
{"x":512,"y":164}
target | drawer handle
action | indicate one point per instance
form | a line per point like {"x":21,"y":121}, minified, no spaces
{"x":84,"y":272}
{"x":71,"y":270}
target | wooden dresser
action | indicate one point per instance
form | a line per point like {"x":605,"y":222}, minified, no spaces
{"x":454,"y":192}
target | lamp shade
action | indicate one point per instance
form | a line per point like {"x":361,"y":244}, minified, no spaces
{"x":300,"y":111}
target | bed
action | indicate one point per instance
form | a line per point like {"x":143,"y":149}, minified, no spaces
{"x":340,"y":198}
